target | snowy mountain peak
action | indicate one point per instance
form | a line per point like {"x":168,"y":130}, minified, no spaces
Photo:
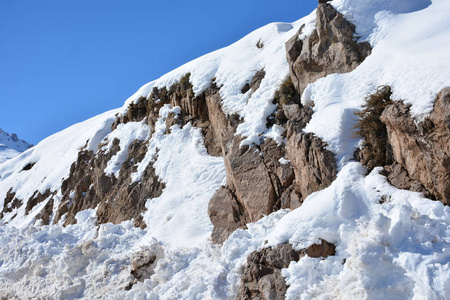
{"x":11,"y":145}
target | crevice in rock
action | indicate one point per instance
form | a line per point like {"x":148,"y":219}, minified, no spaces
{"x":375,"y":150}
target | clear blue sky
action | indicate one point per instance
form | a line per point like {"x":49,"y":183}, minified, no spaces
{"x":64,"y":61}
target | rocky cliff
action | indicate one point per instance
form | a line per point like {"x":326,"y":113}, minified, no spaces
{"x":243,"y":182}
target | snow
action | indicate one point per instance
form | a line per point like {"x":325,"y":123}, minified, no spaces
{"x":7,"y":153}
{"x":126,"y":134}
{"x":233,"y":67}
{"x":406,"y":240}
{"x":390,"y":243}
{"x":179,"y":217}
{"x":11,"y":146}
{"x":391,"y":250}
{"x":364,"y":13}
{"x":52,"y":159}
{"x":407,"y":55}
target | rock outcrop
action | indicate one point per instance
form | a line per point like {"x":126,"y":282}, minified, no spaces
{"x":257,"y":182}
{"x":10,"y":203}
{"x":144,"y":262}
{"x":422,"y":148}
{"x":314,"y":165}
{"x":414,"y":154}
{"x":331,"y":48}
{"x":262,"y":277}
{"x":118,"y":199}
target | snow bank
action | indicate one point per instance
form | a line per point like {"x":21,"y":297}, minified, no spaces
{"x":409,"y":55}
{"x":392,"y":250}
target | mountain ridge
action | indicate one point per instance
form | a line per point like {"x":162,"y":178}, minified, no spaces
{"x":11,"y":145}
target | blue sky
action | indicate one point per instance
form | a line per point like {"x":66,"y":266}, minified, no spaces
{"x":62,"y":62}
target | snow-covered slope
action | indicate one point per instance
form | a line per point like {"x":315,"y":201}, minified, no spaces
{"x":11,"y":146}
{"x":397,"y":250}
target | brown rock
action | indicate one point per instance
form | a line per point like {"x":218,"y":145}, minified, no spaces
{"x":247,"y":172}
{"x":118,"y":199}
{"x":256,"y":180}
{"x":324,"y":249}
{"x":314,"y":166}
{"x":423,"y":149}
{"x":400,"y":178}
{"x":226,"y":213}
{"x":262,"y":277}
{"x":331,"y":48}
{"x":10,"y":203}
{"x":35,"y":199}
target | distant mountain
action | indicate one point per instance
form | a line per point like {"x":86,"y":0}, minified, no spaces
{"x":11,"y":145}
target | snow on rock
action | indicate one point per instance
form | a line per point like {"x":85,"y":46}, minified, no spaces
{"x":179,"y":216}
{"x":126,"y":134}
{"x":234,"y":66}
{"x":50,"y":160}
{"x":364,"y":13}
{"x":409,"y":54}
{"x":390,"y":243}
{"x":404,"y":239}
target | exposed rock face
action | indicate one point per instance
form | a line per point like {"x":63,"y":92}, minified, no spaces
{"x":262,"y":277}
{"x":255,"y":83}
{"x":35,"y":199}
{"x":314,"y":166}
{"x":119,"y":199}
{"x":422,"y":149}
{"x":256,"y":187}
{"x":10,"y":203}
{"x":331,"y":48}
{"x":256,"y":181}
{"x":400,"y":178}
